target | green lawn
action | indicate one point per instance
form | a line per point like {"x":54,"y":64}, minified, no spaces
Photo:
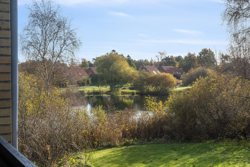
{"x":206,"y":154}
{"x":95,"y":89}
{"x":181,"y":88}
{"x":105,"y":90}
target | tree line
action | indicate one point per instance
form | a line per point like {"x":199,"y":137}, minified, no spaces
{"x":114,"y":68}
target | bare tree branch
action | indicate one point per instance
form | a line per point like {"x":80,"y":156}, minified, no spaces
{"x":237,"y":15}
{"x":48,"y":38}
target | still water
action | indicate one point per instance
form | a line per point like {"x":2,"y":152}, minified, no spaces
{"x":115,"y":103}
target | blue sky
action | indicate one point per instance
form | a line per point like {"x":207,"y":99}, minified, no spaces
{"x":142,"y":28}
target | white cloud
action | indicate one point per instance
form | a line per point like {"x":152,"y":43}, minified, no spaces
{"x":92,"y":2}
{"x":218,"y":1}
{"x":79,"y":2}
{"x":99,"y":2}
{"x":187,"y":32}
{"x":186,"y":42}
{"x":119,"y":14}
{"x":116,"y":2}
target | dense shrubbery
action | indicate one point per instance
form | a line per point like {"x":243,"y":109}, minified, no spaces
{"x":158,"y":84}
{"x":216,"y":107}
{"x":194,"y":74}
{"x":47,"y":128}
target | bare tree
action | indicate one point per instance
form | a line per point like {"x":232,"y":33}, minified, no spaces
{"x":161,"y":55}
{"x":237,"y":15}
{"x":48,"y":38}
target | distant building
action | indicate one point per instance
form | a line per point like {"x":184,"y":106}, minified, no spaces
{"x":75,"y":75}
{"x":91,"y":71}
{"x":150,"y":69}
{"x":175,"y":71}
{"x":77,"y":71}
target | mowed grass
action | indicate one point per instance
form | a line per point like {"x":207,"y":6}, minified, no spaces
{"x":221,"y":154}
{"x":179,"y":89}
{"x":94,"y":89}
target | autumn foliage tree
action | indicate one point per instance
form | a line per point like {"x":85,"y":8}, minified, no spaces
{"x":115,"y":69}
{"x":158,"y":84}
{"x":195,"y":74}
{"x":190,"y":61}
{"x":206,"y":58}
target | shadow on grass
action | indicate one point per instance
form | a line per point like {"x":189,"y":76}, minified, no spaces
{"x":185,"y":154}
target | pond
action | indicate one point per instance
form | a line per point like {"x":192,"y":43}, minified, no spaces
{"x":115,"y":103}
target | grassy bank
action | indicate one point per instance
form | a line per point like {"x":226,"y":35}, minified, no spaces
{"x":175,"y":154}
{"x":123,"y":90}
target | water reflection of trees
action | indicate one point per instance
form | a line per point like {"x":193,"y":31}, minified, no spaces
{"x":119,"y":103}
